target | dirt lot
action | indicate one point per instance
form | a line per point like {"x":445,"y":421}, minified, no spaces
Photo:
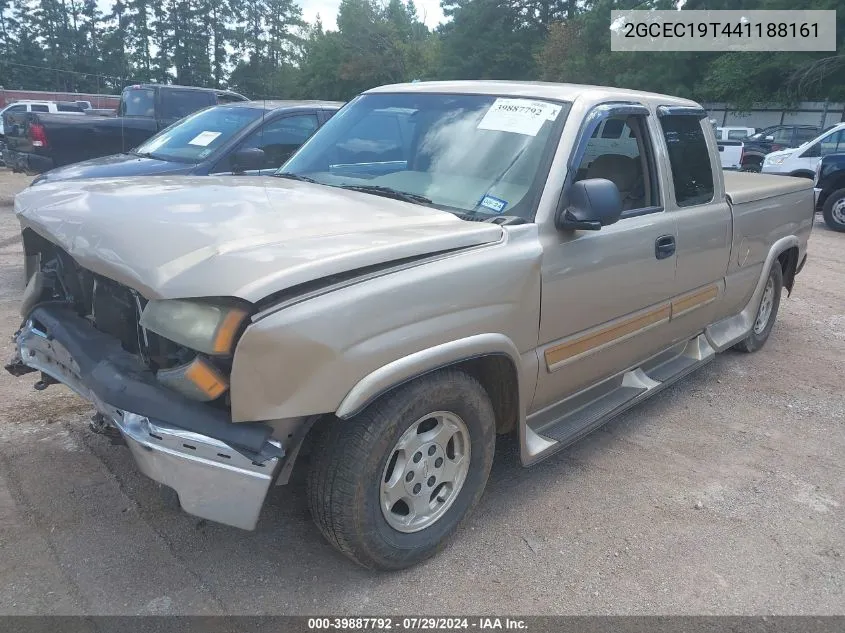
{"x":724,"y":494}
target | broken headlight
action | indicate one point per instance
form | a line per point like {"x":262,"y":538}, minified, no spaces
{"x":210,"y":328}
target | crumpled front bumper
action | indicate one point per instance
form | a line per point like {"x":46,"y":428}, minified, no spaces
{"x":217,"y":480}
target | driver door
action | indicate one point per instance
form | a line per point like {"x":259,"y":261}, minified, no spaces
{"x":606,"y":293}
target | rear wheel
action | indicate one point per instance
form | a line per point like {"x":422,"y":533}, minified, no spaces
{"x":390,"y":486}
{"x":767,"y":312}
{"x":834,"y":210}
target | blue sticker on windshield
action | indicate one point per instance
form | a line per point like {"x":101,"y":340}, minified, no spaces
{"x":496,"y":205}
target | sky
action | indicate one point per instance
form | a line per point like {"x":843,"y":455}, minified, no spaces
{"x":429,"y":11}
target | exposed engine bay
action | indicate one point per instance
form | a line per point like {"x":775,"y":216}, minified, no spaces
{"x":110,"y":307}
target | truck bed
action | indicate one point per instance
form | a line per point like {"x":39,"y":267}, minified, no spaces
{"x":742,"y":187}
{"x":71,"y":138}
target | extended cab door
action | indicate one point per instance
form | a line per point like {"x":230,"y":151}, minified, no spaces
{"x":696,"y":201}
{"x":606,"y":293}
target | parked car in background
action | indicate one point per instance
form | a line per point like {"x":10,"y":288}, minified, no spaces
{"x":773,"y":139}
{"x":802,"y":161}
{"x":43,"y":141}
{"x":733,"y":133}
{"x":39,"y":106}
{"x":829,"y":183}
{"x":247,"y":137}
{"x":440,"y":263}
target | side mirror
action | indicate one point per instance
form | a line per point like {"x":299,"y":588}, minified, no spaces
{"x":247,"y":159}
{"x":593,"y":203}
{"x":770,"y":138}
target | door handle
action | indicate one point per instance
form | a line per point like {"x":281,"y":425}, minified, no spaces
{"x":664,"y":246}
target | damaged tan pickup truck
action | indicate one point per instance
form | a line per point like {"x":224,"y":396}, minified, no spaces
{"x":439,"y":264}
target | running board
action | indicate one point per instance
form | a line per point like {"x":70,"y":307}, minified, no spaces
{"x":567,"y":422}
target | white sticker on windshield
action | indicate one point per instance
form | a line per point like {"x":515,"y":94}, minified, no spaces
{"x":204,"y":139}
{"x":519,"y":116}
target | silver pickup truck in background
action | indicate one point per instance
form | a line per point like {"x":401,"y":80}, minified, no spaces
{"x":440,"y":263}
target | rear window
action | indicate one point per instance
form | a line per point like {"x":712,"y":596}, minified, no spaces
{"x":176,"y":104}
{"x":63,"y":107}
{"x":692,"y":173}
{"x":138,"y":102}
{"x":803,"y":135}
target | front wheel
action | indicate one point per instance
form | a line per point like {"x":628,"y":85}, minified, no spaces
{"x":752,"y":166}
{"x":834,"y":210}
{"x":390,"y":486}
{"x":767,"y":312}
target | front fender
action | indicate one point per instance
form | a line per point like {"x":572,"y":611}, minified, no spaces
{"x":404,"y":369}
{"x":334,"y":352}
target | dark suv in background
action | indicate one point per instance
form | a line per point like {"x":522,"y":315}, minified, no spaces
{"x":772,"y":139}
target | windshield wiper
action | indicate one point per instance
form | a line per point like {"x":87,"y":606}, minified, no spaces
{"x":389,"y":192}
{"x":292,"y":176}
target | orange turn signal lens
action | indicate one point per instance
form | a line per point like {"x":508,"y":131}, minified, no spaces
{"x":198,"y":380}
{"x":224,"y":337}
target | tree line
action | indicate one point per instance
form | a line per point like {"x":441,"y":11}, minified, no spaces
{"x":263,"y":48}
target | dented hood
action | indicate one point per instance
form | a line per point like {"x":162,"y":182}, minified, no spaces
{"x":243,"y":237}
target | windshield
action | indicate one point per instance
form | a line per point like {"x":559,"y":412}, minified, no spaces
{"x":194,"y":138}
{"x":471,"y":154}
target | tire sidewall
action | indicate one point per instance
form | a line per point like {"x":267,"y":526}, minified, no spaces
{"x":466,"y":399}
{"x":827,"y":210}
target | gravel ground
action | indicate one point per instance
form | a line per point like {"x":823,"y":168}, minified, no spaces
{"x":724,"y":494}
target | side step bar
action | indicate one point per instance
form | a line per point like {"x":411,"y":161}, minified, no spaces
{"x":563,"y":424}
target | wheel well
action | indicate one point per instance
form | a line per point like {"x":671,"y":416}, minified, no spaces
{"x":802,"y":174}
{"x":831,"y":187}
{"x":498,"y":375}
{"x":789,"y":265}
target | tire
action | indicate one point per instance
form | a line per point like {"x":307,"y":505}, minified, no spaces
{"x":355,"y":460}
{"x":760,"y":331}
{"x":752,"y":165}
{"x":833,"y":211}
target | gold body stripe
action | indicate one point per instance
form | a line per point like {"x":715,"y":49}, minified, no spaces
{"x":589,"y":342}
{"x":586,"y":343}
{"x":695,"y":300}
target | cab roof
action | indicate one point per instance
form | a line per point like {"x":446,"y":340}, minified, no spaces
{"x":275,"y":104}
{"x":537,"y":90}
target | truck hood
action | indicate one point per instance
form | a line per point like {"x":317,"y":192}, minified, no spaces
{"x":115,"y":166}
{"x":246,"y":237}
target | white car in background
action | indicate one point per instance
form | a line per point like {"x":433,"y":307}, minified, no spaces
{"x":802,"y":161}
{"x":39,"y":106}
{"x":733,"y":133}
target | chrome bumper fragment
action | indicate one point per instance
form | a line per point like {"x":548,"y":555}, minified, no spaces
{"x":213,"y":480}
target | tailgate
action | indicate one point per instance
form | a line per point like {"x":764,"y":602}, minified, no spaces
{"x":730,"y":154}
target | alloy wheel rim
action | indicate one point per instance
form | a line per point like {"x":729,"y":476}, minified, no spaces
{"x":838,"y":211}
{"x":766,"y":304}
{"x":425,"y":472}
